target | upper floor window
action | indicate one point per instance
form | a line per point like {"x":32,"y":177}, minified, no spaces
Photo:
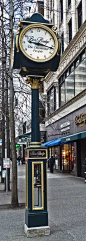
{"x":70,"y":30}
{"x":61,"y":1}
{"x":80,"y":15}
{"x":69,"y":2}
{"x":41,"y":7}
{"x":51,"y":100}
{"x":62,"y":42}
{"x":73,"y":81}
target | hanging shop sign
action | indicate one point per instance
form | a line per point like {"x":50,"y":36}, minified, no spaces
{"x":17,"y":146}
{"x":80,"y":119}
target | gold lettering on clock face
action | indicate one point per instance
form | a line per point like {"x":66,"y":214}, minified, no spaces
{"x":38,"y":43}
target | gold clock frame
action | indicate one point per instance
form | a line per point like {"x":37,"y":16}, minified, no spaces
{"x":56,"y":49}
{"x":42,"y":186}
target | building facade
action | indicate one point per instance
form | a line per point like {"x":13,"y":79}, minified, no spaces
{"x":65,"y":90}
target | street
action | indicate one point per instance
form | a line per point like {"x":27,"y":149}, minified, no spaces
{"x":66,"y":209}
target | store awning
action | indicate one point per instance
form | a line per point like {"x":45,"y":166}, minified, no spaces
{"x":66,"y":139}
{"x":46,"y":144}
{"x":73,"y":137}
{"x":55,"y":142}
{"x":52,"y":143}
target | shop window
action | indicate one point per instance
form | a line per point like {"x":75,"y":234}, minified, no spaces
{"x":61,"y":2}
{"x":80,"y":77}
{"x":70,"y":30}
{"x":69,"y":87}
{"x":51,"y":100}
{"x":80,"y":15}
{"x":66,"y":154}
{"x":69,"y":2}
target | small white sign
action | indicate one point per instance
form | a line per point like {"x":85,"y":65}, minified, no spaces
{"x":6,"y":162}
{"x":3,"y":173}
{"x":65,"y":124}
{"x":65,"y":129}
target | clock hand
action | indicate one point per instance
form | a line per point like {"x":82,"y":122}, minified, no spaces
{"x":41,"y":44}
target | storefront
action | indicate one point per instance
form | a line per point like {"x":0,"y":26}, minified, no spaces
{"x":67,"y":157}
{"x":70,"y":148}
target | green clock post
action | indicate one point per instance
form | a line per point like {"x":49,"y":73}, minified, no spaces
{"x":37,"y":52}
{"x":36,"y":214}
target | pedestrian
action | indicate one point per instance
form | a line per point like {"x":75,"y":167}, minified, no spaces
{"x":51,"y":164}
{"x":19,"y":158}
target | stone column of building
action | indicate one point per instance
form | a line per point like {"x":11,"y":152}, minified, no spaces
{"x":83,"y":10}
{"x":46,"y":9}
{"x":65,"y":23}
{"x":74,"y":22}
{"x":56,"y":12}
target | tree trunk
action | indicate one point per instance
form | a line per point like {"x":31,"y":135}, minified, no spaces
{"x":3,"y":105}
{"x":14,"y":199}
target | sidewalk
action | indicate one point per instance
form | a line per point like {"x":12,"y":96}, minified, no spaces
{"x":66,"y":210}
{"x":5,"y":198}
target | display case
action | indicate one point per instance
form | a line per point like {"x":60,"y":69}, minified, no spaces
{"x":37,"y":186}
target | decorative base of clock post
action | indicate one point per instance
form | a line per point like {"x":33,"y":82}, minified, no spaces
{"x":36,"y":219}
{"x":36,"y":214}
{"x":36,"y":231}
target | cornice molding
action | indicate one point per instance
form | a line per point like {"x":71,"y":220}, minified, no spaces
{"x":77,"y":44}
{"x":69,"y":103}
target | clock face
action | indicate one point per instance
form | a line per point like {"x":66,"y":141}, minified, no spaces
{"x":38,"y":43}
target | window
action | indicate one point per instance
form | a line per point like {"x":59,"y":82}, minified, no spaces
{"x":69,"y":2}
{"x":80,"y":15}
{"x":80,"y":77}
{"x":69,"y":87}
{"x":62,"y":42}
{"x":62,"y":94}
{"x":73,"y":81}
{"x":70,"y":30}
{"x":61,"y":9}
{"x":41,"y":7}
{"x":51,"y":100}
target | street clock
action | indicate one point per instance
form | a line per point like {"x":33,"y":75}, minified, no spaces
{"x":36,"y":47}
{"x":38,"y":43}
